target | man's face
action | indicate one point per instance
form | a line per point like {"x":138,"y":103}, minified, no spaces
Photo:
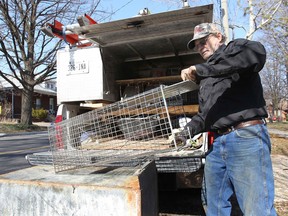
{"x":208,"y":45}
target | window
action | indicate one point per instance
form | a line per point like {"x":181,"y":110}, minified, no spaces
{"x":38,"y":103}
{"x":51,"y":105}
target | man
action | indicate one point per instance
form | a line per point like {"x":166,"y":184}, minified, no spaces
{"x":231,"y":104}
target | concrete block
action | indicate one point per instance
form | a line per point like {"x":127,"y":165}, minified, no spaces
{"x":84,"y":192}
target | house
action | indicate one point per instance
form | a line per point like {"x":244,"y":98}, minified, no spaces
{"x":45,"y":97}
{"x":277,"y":112}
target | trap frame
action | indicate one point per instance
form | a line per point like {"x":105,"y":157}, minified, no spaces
{"x":125,"y":133}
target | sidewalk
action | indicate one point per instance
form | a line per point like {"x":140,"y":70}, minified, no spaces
{"x":42,"y":124}
{"x":278,"y":133}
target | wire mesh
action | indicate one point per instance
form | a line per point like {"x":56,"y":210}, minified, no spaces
{"x":127,"y":132}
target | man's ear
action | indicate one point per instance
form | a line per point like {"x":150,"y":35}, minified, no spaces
{"x":219,"y":36}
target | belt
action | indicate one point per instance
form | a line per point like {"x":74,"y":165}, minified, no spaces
{"x":244,"y":124}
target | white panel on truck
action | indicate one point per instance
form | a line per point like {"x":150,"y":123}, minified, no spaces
{"x":80,"y":75}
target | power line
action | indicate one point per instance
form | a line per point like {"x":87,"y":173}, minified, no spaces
{"x":117,"y":10}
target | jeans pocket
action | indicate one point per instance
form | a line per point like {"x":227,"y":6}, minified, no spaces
{"x":248,"y":132}
{"x":248,"y":140}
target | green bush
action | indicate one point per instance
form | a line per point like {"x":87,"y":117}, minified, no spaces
{"x":39,"y":114}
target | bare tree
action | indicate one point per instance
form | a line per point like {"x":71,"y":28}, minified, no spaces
{"x":275,"y":87}
{"x":276,"y":33}
{"x":26,"y":54}
{"x":261,"y":13}
{"x":275,"y":74}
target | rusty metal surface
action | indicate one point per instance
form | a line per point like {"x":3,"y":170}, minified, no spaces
{"x":96,"y":191}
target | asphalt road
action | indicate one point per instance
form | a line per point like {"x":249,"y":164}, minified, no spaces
{"x":14,"y":148}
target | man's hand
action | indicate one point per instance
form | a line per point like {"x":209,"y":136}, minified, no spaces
{"x":189,"y":73}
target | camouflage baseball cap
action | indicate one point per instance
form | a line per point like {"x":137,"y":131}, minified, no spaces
{"x":202,"y":30}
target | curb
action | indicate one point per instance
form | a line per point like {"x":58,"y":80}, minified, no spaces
{"x":278,"y":133}
{"x":274,"y":135}
{"x":24,"y":133}
{"x":2,"y":134}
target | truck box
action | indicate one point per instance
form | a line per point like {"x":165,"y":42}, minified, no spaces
{"x":129,"y":56}
{"x":81,"y":77}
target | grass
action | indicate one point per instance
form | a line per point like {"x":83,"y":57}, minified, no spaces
{"x":10,"y":127}
{"x":279,"y":126}
{"x":281,"y":208}
{"x":279,"y":145}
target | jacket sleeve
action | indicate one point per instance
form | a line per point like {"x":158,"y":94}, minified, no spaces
{"x":196,"y":125}
{"x":239,"y":56}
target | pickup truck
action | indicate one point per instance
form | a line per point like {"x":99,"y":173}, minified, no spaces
{"x":118,"y":61}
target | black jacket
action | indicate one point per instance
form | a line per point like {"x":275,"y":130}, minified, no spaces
{"x":230,"y":87}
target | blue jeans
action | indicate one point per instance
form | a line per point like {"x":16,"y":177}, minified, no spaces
{"x":240,"y":162}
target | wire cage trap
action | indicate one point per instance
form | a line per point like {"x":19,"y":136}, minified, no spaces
{"x":124,"y":133}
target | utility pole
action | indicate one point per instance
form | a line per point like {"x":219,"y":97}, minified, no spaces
{"x":224,"y":10}
{"x":251,"y":21}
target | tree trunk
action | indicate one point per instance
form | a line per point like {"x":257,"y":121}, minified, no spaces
{"x":26,"y":105}
{"x":251,"y":20}
{"x":286,"y":67}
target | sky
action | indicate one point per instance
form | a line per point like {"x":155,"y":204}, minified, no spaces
{"x":130,"y":8}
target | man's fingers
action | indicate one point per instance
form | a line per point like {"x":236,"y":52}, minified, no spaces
{"x":185,"y":74}
{"x":189,"y":73}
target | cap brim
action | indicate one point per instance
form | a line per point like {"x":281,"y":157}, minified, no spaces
{"x":191,"y":44}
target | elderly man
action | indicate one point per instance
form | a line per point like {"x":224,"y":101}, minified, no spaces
{"x":231,"y":104}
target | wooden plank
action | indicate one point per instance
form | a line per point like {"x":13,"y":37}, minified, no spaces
{"x":123,"y":144}
{"x":191,"y":109}
{"x":173,"y":110}
{"x":163,"y":79}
